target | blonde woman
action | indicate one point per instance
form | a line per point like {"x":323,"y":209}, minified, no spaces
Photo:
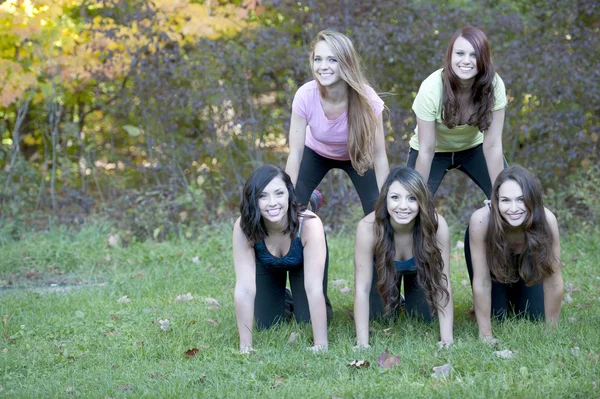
{"x":337,"y":123}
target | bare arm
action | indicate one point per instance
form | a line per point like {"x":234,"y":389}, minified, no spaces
{"x":446,"y":311}
{"x":553,"y":284}
{"x":382,"y":167}
{"x":482,"y":281}
{"x":296,"y":140}
{"x":245,"y":286}
{"x":364,"y":245}
{"x":315,"y":250}
{"x":426,"y":147}
{"x":492,"y":145}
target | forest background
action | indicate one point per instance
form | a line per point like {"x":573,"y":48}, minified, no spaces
{"x":152,"y":113}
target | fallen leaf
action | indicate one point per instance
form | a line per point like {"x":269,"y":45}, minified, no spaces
{"x":113,"y":240}
{"x":570,"y":287}
{"x":359,"y":364}
{"x":338,"y":282}
{"x":387,"y":331}
{"x":345,"y":290}
{"x":212,"y":302}
{"x":460,"y":244}
{"x":184,"y":297}
{"x":196,"y":259}
{"x":212,"y":322}
{"x":442,"y":371}
{"x":68,"y":389}
{"x":384,"y":360}
{"x":124,"y":299}
{"x":126,"y":387}
{"x":114,"y":317}
{"x":278,"y":381}
{"x":191,"y":352}
{"x":464,"y":282}
{"x":5,"y":319}
{"x":567,"y":298}
{"x":575,"y":350}
{"x":6,"y":337}
{"x":572,"y":319}
{"x":292,"y":338}
{"x":164,"y":324}
{"x":595,"y":385}
{"x":350,"y":313}
{"x":111,"y":333}
{"x":505,"y":354}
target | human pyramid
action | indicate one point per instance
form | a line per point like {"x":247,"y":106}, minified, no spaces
{"x":512,"y":245}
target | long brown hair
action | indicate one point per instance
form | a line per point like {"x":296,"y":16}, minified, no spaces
{"x":482,"y":90}
{"x":426,"y":251}
{"x":362,"y":121}
{"x":536,"y":260}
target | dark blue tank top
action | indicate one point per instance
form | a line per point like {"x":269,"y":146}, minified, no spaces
{"x":405,"y":266}
{"x":294,"y":259}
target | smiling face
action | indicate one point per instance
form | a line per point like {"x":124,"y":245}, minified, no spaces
{"x":273,"y":201}
{"x":326,"y":68}
{"x":464,"y":59}
{"x":402,"y":205}
{"x":511,"y":204}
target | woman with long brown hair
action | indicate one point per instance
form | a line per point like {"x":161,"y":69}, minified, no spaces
{"x":337,"y":123}
{"x":460,"y":115}
{"x":403,"y":239}
{"x":512,"y":250}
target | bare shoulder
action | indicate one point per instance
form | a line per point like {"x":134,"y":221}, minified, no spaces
{"x":478,"y":223}
{"x":551,"y":218}
{"x":311,"y":224}
{"x":366,"y":224}
{"x":443,"y":230}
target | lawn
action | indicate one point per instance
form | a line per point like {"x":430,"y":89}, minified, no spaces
{"x":84,"y":318}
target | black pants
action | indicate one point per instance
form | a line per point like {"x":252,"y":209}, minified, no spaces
{"x":471,"y":162}
{"x":270,"y":300}
{"x":515,"y":297}
{"x":313,"y":169}
{"x":414,"y":295}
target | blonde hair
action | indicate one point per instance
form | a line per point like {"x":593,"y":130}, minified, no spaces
{"x":362,"y":121}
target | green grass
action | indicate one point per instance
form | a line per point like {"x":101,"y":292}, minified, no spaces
{"x":81,"y":341}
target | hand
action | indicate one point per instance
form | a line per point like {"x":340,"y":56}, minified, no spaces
{"x":247,"y":350}
{"x":361,"y":347}
{"x":488,"y":339}
{"x":317,"y":348}
{"x":445,"y":344}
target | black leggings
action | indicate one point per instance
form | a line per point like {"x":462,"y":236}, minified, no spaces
{"x":471,"y":162}
{"x":414,"y":295}
{"x":270,"y":300}
{"x":517,"y":297}
{"x":314,"y":167}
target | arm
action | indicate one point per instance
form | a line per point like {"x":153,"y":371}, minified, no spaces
{"x":245,"y":286}
{"x":382,"y":167}
{"x":446,"y":312}
{"x":364,"y":245}
{"x":426,"y":147}
{"x":296,"y":141}
{"x":482,"y":281}
{"x":492,"y":145}
{"x":315,"y":252}
{"x":553,"y":284}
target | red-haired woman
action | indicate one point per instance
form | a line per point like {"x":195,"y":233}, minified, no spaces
{"x":460,"y":115}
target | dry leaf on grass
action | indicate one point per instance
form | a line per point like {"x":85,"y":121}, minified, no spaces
{"x":114,"y":240}
{"x":164,"y":324}
{"x":213,"y":303}
{"x":212,"y":322}
{"x":111,"y":333}
{"x":124,"y":299}
{"x":184,"y":297}
{"x":191,"y":352}
{"x":384,"y":360}
{"x":505,"y":354}
{"x":293,"y":337}
{"x":337,"y":282}
{"x":572,"y":319}
{"x":359,"y":364}
{"x":5,"y":319}
{"x":196,"y":259}
{"x":567,"y":298}
{"x":126,"y":387}
{"x":442,"y":371}
{"x":575,"y":350}
{"x":350,"y":313}
{"x":345,"y":290}
{"x":387,"y":331}
{"x":464,"y":282}
{"x":278,"y":381}
{"x":460,"y":244}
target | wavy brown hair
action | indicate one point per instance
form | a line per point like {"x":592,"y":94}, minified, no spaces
{"x":536,"y":261}
{"x":482,"y":90}
{"x":426,"y":251}
{"x":362,"y":121}
{"x":251,"y":221}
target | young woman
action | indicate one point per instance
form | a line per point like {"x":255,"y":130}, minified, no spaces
{"x":403,"y":239}
{"x":274,"y":237}
{"x":460,"y":115}
{"x":336,"y":123}
{"x":512,"y":250}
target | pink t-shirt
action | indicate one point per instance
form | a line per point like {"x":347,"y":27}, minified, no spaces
{"x":328,"y":138}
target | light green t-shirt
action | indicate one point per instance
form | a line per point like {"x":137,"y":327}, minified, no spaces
{"x":428,"y":107}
